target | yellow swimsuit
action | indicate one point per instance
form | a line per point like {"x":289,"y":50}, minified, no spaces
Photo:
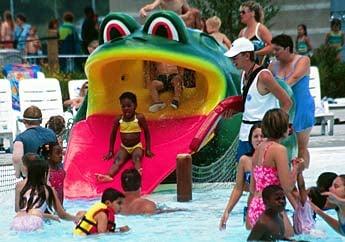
{"x":130,"y":127}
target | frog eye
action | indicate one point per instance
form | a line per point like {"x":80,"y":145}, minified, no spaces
{"x":163,"y":27}
{"x":166,"y":24}
{"x":114,"y":29}
{"x":116,"y":25}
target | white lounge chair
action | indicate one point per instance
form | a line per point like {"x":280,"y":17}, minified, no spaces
{"x":7,"y":124}
{"x":43,"y":93}
{"x":322,"y":113}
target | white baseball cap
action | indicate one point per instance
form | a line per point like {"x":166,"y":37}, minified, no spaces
{"x":238,"y":46}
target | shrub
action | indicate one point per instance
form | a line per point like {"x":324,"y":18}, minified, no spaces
{"x":332,"y":71}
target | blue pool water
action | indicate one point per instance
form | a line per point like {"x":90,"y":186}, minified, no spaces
{"x":199,"y":223}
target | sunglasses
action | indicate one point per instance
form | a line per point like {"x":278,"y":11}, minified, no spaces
{"x":242,"y":12}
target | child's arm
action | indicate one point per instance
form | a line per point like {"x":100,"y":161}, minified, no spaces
{"x":226,"y":41}
{"x":143,"y":124}
{"x":19,"y":187}
{"x":301,"y":188}
{"x":342,"y":39}
{"x":110,"y":153}
{"x":331,"y":221}
{"x":60,"y":211}
{"x":334,"y":199}
{"x":235,"y":194}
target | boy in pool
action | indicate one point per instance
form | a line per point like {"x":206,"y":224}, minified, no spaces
{"x":100,"y":218}
{"x":270,"y":226}
{"x":165,"y":77}
{"x":130,"y":124}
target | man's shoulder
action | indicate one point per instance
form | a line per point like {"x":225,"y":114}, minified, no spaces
{"x":145,"y":205}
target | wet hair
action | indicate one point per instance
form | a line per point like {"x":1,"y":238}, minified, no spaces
{"x":36,"y":185}
{"x":111,"y":194}
{"x":269,"y":191}
{"x":335,"y":22}
{"x":284,"y":41}
{"x":129,"y":95}
{"x":325,"y":180}
{"x":304,"y":27}
{"x":315,"y":196}
{"x":46,"y":150}
{"x":256,"y":8}
{"x":32,"y":116}
{"x":130,"y":180}
{"x":21,"y":17}
{"x":214,"y":22}
{"x":57,"y":124}
{"x":275,"y":123}
{"x":68,"y":17}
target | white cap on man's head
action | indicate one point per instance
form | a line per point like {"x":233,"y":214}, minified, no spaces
{"x":238,"y":46}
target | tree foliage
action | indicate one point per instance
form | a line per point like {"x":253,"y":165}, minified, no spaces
{"x":228,"y":12}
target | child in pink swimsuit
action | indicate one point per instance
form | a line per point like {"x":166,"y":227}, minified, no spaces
{"x":52,"y":152}
{"x":270,"y":163}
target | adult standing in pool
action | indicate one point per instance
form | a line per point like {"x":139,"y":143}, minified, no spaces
{"x":243,"y":176}
{"x":259,"y":90}
{"x":252,"y":15}
{"x":294,"y":70}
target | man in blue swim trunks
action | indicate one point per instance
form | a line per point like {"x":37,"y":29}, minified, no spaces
{"x":166,"y":77}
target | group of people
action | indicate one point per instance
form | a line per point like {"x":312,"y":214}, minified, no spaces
{"x":264,"y":168}
{"x":38,"y":159}
{"x":18,"y":34}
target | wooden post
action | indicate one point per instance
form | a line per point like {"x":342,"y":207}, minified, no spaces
{"x":53,"y":51}
{"x":184,"y":177}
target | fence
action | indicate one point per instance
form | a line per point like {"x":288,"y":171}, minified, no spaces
{"x":7,"y":178}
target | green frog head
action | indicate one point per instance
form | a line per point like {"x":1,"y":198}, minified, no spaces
{"x":119,"y":64}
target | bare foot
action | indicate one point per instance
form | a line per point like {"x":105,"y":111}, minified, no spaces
{"x":103,"y":178}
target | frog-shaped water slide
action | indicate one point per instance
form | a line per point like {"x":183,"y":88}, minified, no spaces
{"x":118,"y":65}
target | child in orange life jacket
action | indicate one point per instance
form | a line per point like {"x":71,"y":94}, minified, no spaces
{"x":130,"y":124}
{"x":100,"y":218}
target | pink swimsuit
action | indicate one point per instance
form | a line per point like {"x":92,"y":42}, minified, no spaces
{"x":56,"y":179}
{"x":264,"y":176}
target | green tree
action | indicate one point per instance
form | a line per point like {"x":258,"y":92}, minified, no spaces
{"x":228,"y":12}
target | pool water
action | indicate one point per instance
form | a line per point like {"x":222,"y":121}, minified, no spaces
{"x":198,"y":223}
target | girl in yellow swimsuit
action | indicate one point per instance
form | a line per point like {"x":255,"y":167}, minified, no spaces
{"x":130,"y":124}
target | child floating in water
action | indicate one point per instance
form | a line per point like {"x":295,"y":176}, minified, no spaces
{"x":212,"y":26}
{"x":52,"y":152}
{"x":270,"y":226}
{"x":130,"y":124}
{"x":100,"y":218}
{"x":33,"y":196}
